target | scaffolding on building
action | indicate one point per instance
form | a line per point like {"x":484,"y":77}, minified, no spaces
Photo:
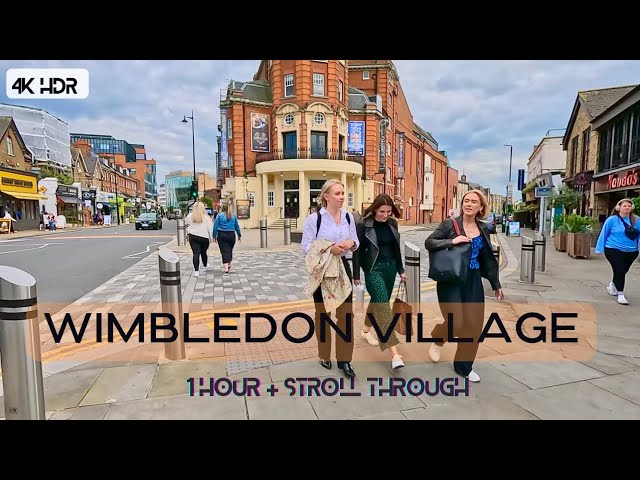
{"x":46,"y":136}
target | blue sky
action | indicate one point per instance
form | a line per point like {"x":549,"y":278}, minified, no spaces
{"x":472,"y":108}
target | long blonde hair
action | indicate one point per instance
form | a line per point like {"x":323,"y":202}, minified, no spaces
{"x":198,"y":213}
{"x":483,"y":213}
{"x":226,"y":209}
{"x":326,"y":187}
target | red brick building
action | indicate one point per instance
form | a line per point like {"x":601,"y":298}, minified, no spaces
{"x":301,"y":122}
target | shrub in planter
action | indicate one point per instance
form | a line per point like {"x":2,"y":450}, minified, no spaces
{"x":579,"y":230}
{"x":560,"y":233}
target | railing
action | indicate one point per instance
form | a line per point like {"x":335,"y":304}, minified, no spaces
{"x":307,"y":153}
{"x":275,"y":210}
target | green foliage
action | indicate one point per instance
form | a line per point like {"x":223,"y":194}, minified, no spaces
{"x":560,"y":223}
{"x":207,"y":201}
{"x":565,"y":197}
{"x":47,"y":171}
{"x":579,"y":224}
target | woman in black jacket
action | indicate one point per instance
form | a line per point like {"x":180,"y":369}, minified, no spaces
{"x":380,"y":258}
{"x":465,"y":301}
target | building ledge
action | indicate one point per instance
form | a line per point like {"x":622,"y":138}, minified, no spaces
{"x":309,"y":165}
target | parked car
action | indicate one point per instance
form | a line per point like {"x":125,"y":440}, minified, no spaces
{"x":149,"y":220}
{"x":491,"y":223}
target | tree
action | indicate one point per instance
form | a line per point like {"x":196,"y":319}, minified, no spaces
{"x":207,"y":201}
{"x":565,"y":197}
{"x":62,"y":177}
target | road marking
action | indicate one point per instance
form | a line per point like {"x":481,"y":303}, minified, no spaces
{"x":147,"y":250}
{"x":120,"y":236}
{"x":28,"y":249}
{"x":33,"y":244}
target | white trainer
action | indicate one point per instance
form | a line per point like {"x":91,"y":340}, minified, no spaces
{"x":622,"y":300}
{"x":196,"y":273}
{"x":396,"y":362}
{"x":370,"y":337}
{"x":612,"y":290}
{"x":434,"y":352}
{"x":473,"y":377}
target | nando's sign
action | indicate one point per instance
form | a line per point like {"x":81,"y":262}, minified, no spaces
{"x":630,"y":178}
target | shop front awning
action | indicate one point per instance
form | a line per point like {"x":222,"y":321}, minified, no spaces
{"x":24,"y":195}
{"x":68,"y":199}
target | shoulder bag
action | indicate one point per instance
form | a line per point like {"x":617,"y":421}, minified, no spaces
{"x":629,"y":230}
{"x":450,"y":265}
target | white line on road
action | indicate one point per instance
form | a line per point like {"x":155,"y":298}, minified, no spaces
{"x":33,"y":244}
{"x":147,"y":250}
{"x":27,"y":249}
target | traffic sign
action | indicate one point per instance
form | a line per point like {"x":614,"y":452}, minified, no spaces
{"x":543,"y":191}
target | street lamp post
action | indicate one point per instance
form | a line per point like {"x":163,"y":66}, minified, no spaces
{"x":115,"y":166}
{"x":509,"y":196}
{"x":193,"y":141}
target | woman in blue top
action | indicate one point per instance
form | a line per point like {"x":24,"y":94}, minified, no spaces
{"x":465,"y":302}
{"x":619,"y":241}
{"x":225,"y":228}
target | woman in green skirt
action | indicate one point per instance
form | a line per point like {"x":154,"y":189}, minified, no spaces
{"x":380,"y":259}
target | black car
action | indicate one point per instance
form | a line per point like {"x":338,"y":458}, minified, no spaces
{"x":149,"y":220}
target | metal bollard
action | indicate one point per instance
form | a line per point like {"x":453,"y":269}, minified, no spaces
{"x":263,"y":233}
{"x":541,"y":247}
{"x":20,"y":346}
{"x":182,"y":230}
{"x":412,"y":269}
{"x":171,"y":295}
{"x":287,"y":231}
{"x":527,"y":260}
{"x":496,"y":253}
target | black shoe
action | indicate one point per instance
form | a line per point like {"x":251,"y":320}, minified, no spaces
{"x":347,"y":369}
{"x":326,"y":364}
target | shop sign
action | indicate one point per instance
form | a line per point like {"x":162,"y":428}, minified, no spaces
{"x":624,"y":179}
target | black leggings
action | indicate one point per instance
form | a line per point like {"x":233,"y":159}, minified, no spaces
{"x":226,"y":242}
{"x":620,"y":264}
{"x":199,"y":246}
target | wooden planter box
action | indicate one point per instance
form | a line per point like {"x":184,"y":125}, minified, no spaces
{"x":579,"y":245}
{"x":560,"y":240}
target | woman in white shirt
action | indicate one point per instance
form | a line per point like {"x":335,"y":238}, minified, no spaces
{"x":200,"y":228}
{"x":332,"y":222}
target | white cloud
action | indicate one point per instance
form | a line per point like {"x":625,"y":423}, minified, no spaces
{"x":472,"y":108}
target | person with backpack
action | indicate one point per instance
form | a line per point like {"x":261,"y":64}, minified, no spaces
{"x":618,"y":241}
{"x":335,"y":224}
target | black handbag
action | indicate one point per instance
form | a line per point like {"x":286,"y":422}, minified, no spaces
{"x":450,"y":265}
{"x":629,"y":230}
